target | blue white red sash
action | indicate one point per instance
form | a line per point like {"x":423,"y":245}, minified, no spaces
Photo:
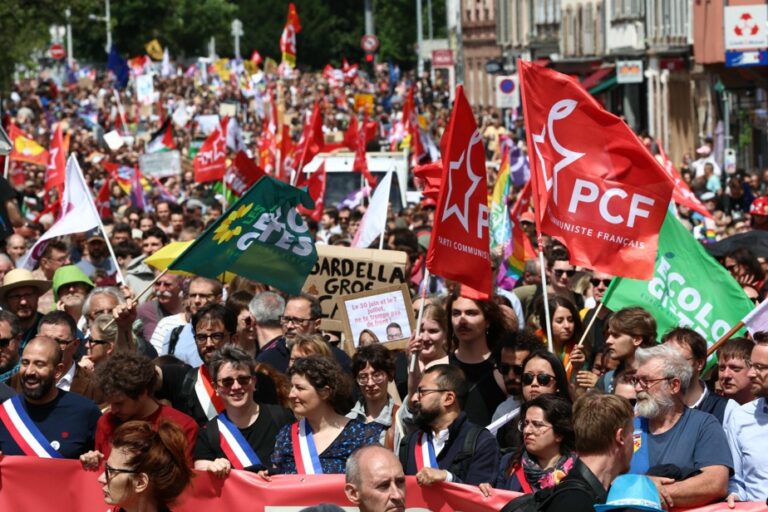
{"x":234,"y":444}
{"x":206,"y":396}
{"x":304,"y":451}
{"x":24,"y":431}
{"x":424,"y":452}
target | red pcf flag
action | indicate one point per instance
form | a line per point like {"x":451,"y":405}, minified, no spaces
{"x":242,"y":174}
{"x":288,"y":37}
{"x":54,"y":172}
{"x":682,"y":194}
{"x":316,"y":187}
{"x":459,"y":248}
{"x":360,"y":163}
{"x":595,"y":186}
{"x":210,"y":162}
{"x":102,"y":200}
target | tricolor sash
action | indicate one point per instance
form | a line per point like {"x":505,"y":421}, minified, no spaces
{"x":641,"y":458}
{"x":234,"y":444}
{"x":206,"y":396}
{"x":24,"y":431}
{"x":425,"y":452}
{"x":304,"y":451}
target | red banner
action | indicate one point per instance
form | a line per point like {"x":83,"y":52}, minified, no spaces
{"x":72,"y":489}
{"x":210,"y":163}
{"x":459,"y":245}
{"x":595,"y":186}
{"x":242,"y":174}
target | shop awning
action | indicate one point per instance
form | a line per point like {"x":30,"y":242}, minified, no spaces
{"x":604,"y":85}
{"x":596,"y":77}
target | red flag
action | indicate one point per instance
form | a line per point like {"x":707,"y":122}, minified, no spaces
{"x":256,"y":57}
{"x":242,"y":174}
{"x":316,"y":188}
{"x":595,"y":186}
{"x":288,"y":38}
{"x":361,"y":163}
{"x":57,"y":159}
{"x":312,"y":140}
{"x":459,"y":247}
{"x":431,"y":176}
{"x":102,"y":200}
{"x":267,"y":146}
{"x":210,"y":162}
{"x":350,"y":135}
{"x":682,"y":194}
{"x":286,"y":148}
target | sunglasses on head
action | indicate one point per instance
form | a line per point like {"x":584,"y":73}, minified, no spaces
{"x":543,"y":379}
{"x":596,"y":282}
{"x":559,"y":272}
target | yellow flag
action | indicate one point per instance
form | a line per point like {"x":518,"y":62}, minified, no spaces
{"x":154,"y":49}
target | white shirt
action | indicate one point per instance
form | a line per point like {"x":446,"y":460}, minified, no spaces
{"x":65,"y":382}
{"x":164,"y":326}
{"x":438,"y":442}
{"x":746,"y":431}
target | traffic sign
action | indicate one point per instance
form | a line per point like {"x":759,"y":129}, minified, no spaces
{"x":507,"y":92}
{"x":57,"y":51}
{"x":369,"y":43}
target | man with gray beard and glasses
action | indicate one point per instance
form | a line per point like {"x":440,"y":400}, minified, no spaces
{"x":683,"y":450}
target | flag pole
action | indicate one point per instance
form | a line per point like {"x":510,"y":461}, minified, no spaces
{"x":547,"y":321}
{"x":586,"y":331}
{"x":111,"y":250}
{"x":725,"y":337}
{"x":414,"y":364}
{"x":6,"y":164}
{"x":143,"y":292}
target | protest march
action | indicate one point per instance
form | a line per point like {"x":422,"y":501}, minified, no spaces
{"x":244,"y":283}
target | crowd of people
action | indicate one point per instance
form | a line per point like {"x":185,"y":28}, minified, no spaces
{"x":238,"y":376}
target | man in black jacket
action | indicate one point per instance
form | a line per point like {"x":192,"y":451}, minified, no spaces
{"x":604,"y":441}
{"x":447,"y":447}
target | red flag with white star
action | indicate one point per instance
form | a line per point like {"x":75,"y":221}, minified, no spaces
{"x":595,"y":186}
{"x":210,"y":162}
{"x":459,"y":247}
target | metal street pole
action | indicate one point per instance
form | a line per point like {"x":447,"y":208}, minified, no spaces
{"x":70,"y":57}
{"x":430,"y":29}
{"x":368,"y":10}
{"x":419,"y":40}
{"x":107,"y":19}
{"x":237,"y":32}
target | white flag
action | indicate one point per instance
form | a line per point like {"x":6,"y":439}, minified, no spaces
{"x":757,"y":319}
{"x":375,"y":219}
{"x":78,"y":215}
{"x":166,"y":69}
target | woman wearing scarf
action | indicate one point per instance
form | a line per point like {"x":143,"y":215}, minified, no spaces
{"x":546,"y":455}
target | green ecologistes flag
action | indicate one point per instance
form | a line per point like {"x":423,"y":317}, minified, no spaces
{"x":261,"y":237}
{"x":689,"y":288}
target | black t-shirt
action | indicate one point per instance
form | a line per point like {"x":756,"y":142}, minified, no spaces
{"x":260,"y":435}
{"x":7,"y":193}
{"x":485,"y":395}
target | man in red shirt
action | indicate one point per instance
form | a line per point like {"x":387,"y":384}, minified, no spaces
{"x":128,"y":381}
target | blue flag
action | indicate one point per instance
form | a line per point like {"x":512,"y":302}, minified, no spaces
{"x":117,"y":65}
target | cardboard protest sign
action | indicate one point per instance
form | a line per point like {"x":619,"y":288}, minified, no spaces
{"x":382,"y":315}
{"x":364,"y":101}
{"x":345,"y":270}
{"x":161,"y":165}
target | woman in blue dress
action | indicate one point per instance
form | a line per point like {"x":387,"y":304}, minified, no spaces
{"x":323,"y":440}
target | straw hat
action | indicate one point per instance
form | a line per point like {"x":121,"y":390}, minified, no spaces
{"x":19,"y":277}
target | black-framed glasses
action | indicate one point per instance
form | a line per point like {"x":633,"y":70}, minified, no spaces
{"x":242,"y":380}
{"x":543,"y":379}
{"x":110,"y":472}
{"x":505,"y":368}
{"x":420,"y":392}
{"x":4,"y":342}
{"x":217,"y":337}
{"x":596,"y":282}
{"x":90,"y":340}
{"x":294,"y":320}
{"x":559,"y":272}
{"x":646,"y":384}
{"x":376,"y":377}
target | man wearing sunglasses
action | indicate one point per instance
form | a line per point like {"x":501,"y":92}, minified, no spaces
{"x":447,"y":447}
{"x":10,"y":337}
{"x":128,"y":382}
{"x":683,"y":450}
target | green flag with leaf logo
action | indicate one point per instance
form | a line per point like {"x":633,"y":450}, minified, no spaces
{"x":262,"y":237}
{"x":689,"y":288}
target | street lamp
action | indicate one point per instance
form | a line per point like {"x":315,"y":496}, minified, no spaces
{"x":106,"y":18}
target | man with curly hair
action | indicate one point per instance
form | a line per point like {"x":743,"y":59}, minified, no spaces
{"x":128,"y":382}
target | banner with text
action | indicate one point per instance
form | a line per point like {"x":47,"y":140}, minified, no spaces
{"x":76,"y":490}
